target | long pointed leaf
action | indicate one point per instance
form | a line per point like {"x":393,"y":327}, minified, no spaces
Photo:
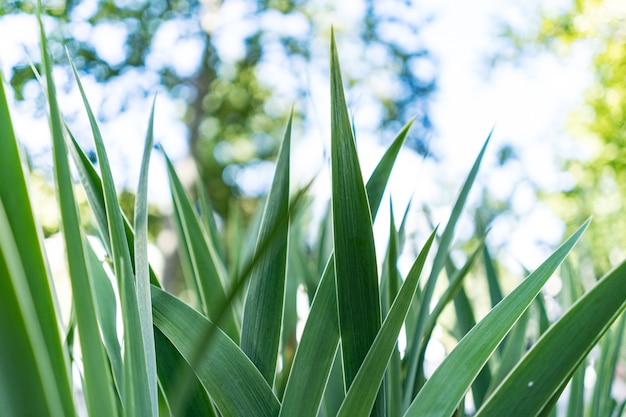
{"x":438,"y":264}
{"x":98,"y":385}
{"x":142,"y":266}
{"x":137,"y":392}
{"x":446,"y":387}
{"x":564,"y":346}
{"x":263,"y":313}
{"x":16,"y":359}
{"x":362,"y":393}
{"x":355,"y":256}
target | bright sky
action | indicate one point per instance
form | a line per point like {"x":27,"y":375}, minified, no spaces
{"x":528,"y":105}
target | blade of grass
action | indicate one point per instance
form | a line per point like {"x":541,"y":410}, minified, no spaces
{"x":362,"y":393}
{"x":142,"y":266}
{"x":446,"y":387}
{"x":98,"y":385}
{"x":223,"y":367}
{"x":137,"y":399}
{"x":17,"y":368}
{"x":355,"y":256}
{"x":263,"y":310}
{"x":438,"y":263}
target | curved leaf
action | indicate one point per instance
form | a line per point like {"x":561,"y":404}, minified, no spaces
{"x":445,"y":389}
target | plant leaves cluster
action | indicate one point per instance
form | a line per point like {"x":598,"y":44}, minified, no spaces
{"x":236,"y":351}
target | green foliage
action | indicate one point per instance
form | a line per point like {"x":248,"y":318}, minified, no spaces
{"x":598,"y":125}
{"x":177,"y":360}
{"x":232,"y":106}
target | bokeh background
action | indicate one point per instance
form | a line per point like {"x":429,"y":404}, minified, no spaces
{"x":547,"y":77}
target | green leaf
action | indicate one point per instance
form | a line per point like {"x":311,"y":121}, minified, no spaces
{"x":98,"y":385}
{"x":263,"y":312}
{"x":142,"y":266}
{"x":378,"y":180}
{"x":170,"y":361}
{"x":564,"y":346}
{"x":446,"y":387}
{"x":208,"y":271}
{"x":394,"y":370}
{"x":355,"y":256}
{"x":106,"y":310}
{"x":315,"y":353}
{"x":362,"y":393}
{"x":92,"y":184}
{"x":137,"y":399}
{"x":18,"y":353}
{"x":229,"y":377}
{"x":438,"y":263}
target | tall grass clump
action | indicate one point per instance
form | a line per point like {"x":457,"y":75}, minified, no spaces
{"x":235,"y":351}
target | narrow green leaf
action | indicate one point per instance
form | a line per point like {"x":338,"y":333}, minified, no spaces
{"x":438,"y":263}
{"x":142,"y":266}
{"x":223,"y":366}
{"x":394,"y":370}
{"x":17,"y":361}
{"x":106,"y":311}
{"x":263,"y":311}
{"x":315,"y":353}
{"x":355,"y":256}
{"x":208,"y":271}
{"x":378,"y":180}
{"x":92,"y":184}
{"x":446,"y":387}
{"x":136,"y":398}
{"x":39,"y":369}
{"x":98,"y":385}
{"x":362,"y":393}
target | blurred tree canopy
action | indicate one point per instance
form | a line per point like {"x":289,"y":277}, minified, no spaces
{"x":238,"y":66}
{"x":600,"y":125}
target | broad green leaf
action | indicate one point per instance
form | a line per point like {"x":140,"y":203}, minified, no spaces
{"x":263,"y":311}
{"x":355,"y":256}
{"x":136,"y":399}
{"x":170,"y":361}
{"x":97,"y":381}
{"x":446,"y":387}
{"x":564,"y":346}
{"x":362,"y":393}
{"x":142,"y":266}
{"x":18,"y":362}
{"x":208,"y":271}
{"x":438,"y":263}
{"x":232,"y":381}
